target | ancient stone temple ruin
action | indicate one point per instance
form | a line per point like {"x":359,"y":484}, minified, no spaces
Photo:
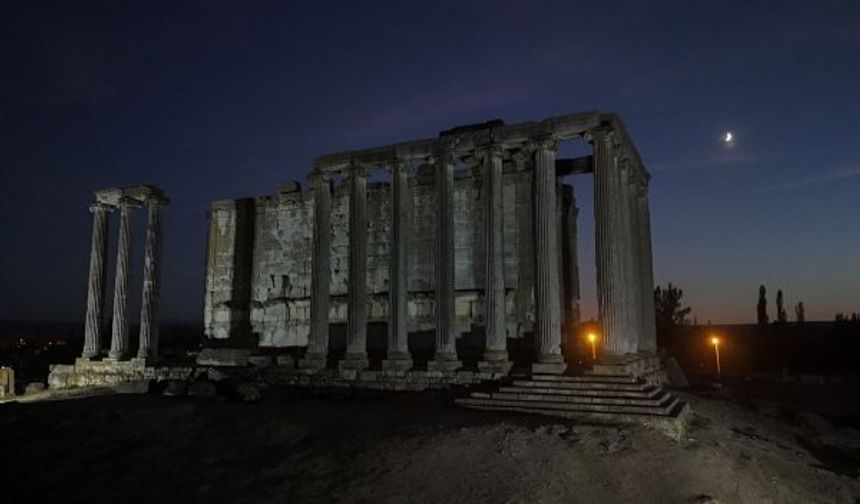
{"x":472,"y":230}
{"x":469,"y":235}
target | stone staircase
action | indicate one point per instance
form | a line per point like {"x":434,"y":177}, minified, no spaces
{"x":597,"y":398}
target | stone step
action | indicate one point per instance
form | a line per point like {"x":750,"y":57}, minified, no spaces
{"x":646,"y":393}
{"x":673,"y":424}
{"x":663,"y":409}
{"x":520,"y":395}
{"x":587,"y":378}
{"x":590,"y":385}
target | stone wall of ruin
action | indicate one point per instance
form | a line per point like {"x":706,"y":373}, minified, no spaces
{"x":258,"y":272}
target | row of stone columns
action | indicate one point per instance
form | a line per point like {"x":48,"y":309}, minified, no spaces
{"x":495,"y":356}
{"x":148,"y":347}
{"x":623,"y":242}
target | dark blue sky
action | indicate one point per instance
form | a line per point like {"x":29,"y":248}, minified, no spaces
{"x":216,"y":99}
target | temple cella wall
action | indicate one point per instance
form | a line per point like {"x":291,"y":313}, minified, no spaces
{"x":258,"y":271}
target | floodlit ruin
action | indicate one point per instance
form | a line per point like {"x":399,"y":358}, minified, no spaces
{"x":469,"y":234}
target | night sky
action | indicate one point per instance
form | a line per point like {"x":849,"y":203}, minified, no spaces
{"x":213,"y":100}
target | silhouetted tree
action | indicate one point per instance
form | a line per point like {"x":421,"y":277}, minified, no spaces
{"x":762,"y":306}
{"x":800,"y":313}
{"x":669,"y":311}
{"x":781,"y":316}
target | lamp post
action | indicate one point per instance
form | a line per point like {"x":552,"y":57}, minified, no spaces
{"x":716,"y":342}
{"x":592,"y":339}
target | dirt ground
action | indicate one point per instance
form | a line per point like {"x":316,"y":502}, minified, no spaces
{"x":297,"y":447}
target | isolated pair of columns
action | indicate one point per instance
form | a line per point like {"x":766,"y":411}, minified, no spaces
{"x":148,"y":347}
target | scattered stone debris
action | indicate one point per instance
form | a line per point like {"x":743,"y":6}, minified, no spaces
{"x":203,"y":389}
{"x":34,"y":388}
{"x":133,"y":387}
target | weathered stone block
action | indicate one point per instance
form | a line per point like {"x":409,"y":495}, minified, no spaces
{"x":549,"y":367}
{"x":133,"y":387}
{"x":285,"y":361}
{"x":34,"y":388}
{"x":223,"y":357}
{"x":502,"y":367}
{"x":260,"y":361}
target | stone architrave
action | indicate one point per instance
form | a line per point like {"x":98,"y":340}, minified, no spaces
{"x":548,"y":330}
{"x":148,"y":348}
{"x":119,"y":332}
{"x":495,"y":353}
{"x":97,"y":281}
{"x":356,"y":337}
{"x":317,"y":352}
{"x":446,"y":351}
{"x":398,"y":357}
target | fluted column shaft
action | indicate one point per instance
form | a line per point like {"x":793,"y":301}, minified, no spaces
{"x":559,"y":235}
{"x":148,"y":348}
{"x":610,"y":264}
{"x":97,"y":280}
{"x":548,"y":333}
{"x":494,"y":273}
{"x":119,"y":333}
{"x":320,"y":272}
{"x":356,"y":347}
{"x":398,"y":343}
{"x":648,"y":334}
{"x":629,"y":249}
{"x":571,"y":273}
{"x":445,"y":294}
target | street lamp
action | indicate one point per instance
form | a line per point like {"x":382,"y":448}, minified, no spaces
{"x":592,"y":339}
{"x":716,"y":342}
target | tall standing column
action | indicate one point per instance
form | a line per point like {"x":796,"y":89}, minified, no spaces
{"x":648,"y":334}
{"x":495,"y":324}
{"x":119,"y":333}
{"x":148,"y":348}
{"x":315,"y":357}
{"x":571,"y":261}
{"x":559,"y":235}
{"x":548,"y":333}
{"x":610,"y":265}
{"x":398,"y":287}
{"x":629,"y":249}
{"x":356,"y":339}
{"x":96,"y":285}
{"x":446,"y":327}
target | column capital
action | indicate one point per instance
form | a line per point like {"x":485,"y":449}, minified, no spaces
{"x":100,"y":207}
{"x":489,"y":151}
{"x":600,"y":133}
{"x":156,"y":201}
{"x":546,"y":142}
{"x":355,"y":170}
{"x":128,"y":202}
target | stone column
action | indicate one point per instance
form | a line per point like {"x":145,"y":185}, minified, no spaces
{"x":648,"y":332}
{"x":548,"y":330}
{"x":571,"y":261}
{"x":629,"y":249}
{"x":610,"y":266}
{"x":446,"y":326}
{"x":559,"y":235}
{"x":96,"y":284}
{"x":398,"y":355}
{"x":495,"y":324}
{"x":148,"y":348}
{"x":315,"y":357}
{"x":356,"y":338}
{"x":119,"y":333}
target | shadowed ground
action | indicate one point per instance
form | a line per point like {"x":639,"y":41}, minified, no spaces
{"x":295,"y":447}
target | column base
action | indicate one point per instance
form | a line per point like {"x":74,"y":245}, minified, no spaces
{"x":116,"y":356}
{"x":495,"y":366}
{"x":312,"y":362}
{"x":549,"y":364}
{"x":445,"y":363}
{"x":351,"y":365}
{"x":397,"y":364}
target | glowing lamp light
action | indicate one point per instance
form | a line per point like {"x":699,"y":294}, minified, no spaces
{"x":716,"y":342}
{"x":592,"y":338}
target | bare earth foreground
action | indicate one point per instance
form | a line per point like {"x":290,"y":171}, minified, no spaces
{"x":295,"y":447}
